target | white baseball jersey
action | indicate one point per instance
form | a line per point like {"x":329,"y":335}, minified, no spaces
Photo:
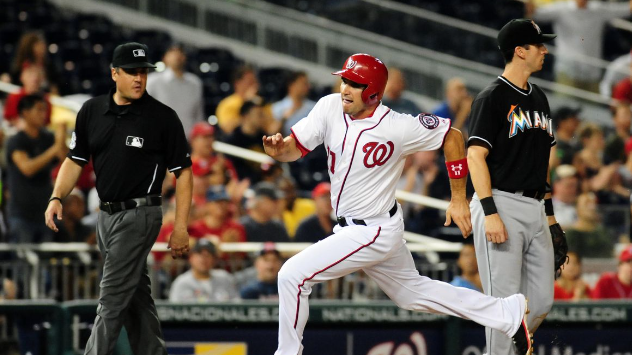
{"x":365,"y":163}
{"x":366,"y":157}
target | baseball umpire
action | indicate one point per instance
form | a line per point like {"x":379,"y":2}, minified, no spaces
{"x":132,"y":139}
{"x":511,"y":135}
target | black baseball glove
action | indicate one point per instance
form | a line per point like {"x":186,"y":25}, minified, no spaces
{"x":560,"y":248}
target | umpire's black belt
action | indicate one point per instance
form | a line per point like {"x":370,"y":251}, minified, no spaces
{"x":536,"y":194}
{"x":342,"y":221}
{"x":113,"y":207}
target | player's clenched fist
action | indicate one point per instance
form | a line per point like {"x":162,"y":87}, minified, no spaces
{"x":495,"y":230}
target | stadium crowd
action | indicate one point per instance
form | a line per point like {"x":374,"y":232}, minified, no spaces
{"x":236,"y":200}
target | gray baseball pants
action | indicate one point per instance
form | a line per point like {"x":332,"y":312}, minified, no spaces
{"x":125,"y":239}
{"x":522,"y":264}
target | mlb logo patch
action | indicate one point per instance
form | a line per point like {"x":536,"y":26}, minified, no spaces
{"x":134,"y":141}
{"x":139,"y":52}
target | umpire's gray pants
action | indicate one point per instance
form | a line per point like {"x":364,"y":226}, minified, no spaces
{"x":125,"y":239}
{"x":522,"y":264}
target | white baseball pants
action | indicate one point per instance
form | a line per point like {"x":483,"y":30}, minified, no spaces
{"x":379,"y":250}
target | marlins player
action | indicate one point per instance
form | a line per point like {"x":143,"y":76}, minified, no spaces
{"x":511,"y":134}
{"x":367,"y":143}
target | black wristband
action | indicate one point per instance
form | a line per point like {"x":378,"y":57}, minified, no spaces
{"x":54,"y":198}
{"x":489,"y":207}
{"x":548,"y":207}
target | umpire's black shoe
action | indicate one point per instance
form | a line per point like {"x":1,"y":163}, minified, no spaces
{"x":523,"y":339}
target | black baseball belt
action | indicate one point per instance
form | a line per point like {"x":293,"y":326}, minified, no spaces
{"x":536,"y":194}
{"x":342,"y":221}
{"x":113,"y":207}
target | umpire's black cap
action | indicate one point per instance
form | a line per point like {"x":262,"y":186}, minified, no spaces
{"x":519,"y":32}
{"x":131,"y":55}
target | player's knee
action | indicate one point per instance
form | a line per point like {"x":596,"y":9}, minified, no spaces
{"x":286,"y":274}
{"x":405,"y":304}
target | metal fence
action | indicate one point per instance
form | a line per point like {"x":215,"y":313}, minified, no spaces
{"x":67,"y":276}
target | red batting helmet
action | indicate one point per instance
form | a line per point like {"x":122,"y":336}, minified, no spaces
{"x":366,"y":70}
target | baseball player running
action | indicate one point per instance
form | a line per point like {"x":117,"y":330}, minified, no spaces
{"x":511,"y":134}
{"x":366,"y":144}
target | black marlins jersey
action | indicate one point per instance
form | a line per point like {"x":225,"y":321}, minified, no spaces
{"x":516,"y":126}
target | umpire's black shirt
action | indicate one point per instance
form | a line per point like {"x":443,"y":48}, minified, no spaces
{"x":131,"y":145}
{"x":516,"y":126}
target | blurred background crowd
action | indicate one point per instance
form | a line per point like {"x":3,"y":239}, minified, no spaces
{"x":49,"y":52}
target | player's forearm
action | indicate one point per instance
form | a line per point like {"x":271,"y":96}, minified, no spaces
{"x":184,"y":193}
{"x":550,"y":218}
{"x":454,"y":146}
{"x":454,"y":149}
{"x":67,"y":178}
{"x":479,"y":172}
{"x":548,"y":181}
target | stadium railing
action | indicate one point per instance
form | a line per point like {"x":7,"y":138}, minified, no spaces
{"x":257,"y":29}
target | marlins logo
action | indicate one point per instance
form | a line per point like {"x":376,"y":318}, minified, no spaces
{"x":520,"y":120}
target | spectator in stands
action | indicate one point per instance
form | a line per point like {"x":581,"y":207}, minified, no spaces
{"x":295,"y":105}
{"x":567,"y":121}
{"x":565,"y":190}
{"x":616,"y":71}
{"x":457,"y":104}
{"x":625,"y":170}
{"x":267,"y":264}
{"x":435,"y":184}
{"x":8,"y":290}
{"x":410,"y":181}
{"x":570,"y":286}
{"x":31,"y":156}
{"x":248,"y":135}
{"x":33,"y":51}
{"x":619,"y":284}
{"x":259,"y":223}
{"x":622,"y":91}
{"x":587,"y":236}
{"x":31,"y":79}
{"x":202,"y":283}
{"x":294,"y":209}
{"x":321,"y":224}
{"x":335,"y":87}
{"x":200,"y":184}
{"x":393,"y":94}
{"x":615,"y":145}
{"x":246,"y":86}
{"x":71,"y":228}
{"x":598,"y":176}
{"x":579,"y":25}
{"x":469,"y":277}
{"x":221,"y":169}
{"x":178,"y":89}
{"x":217,"y":224}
